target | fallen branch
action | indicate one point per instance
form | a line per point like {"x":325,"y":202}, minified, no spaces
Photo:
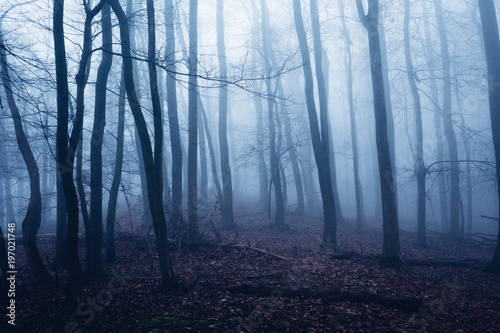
{"x":333,"y":295}
{"x":490,"y":218}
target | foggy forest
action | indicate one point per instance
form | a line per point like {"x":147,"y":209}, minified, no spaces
{"x":249,"y":166}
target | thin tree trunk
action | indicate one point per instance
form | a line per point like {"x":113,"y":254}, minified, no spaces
{"x":279,"y":218}
{"x":319,"y":143}
{"x":448,"y":125}
{"x":227,"y":185}
{"x":156,"y":201}
{"x":203,"y":161}
{"x":390,"y":249}
{"x":32,"y":220}
{"x":331,"y":148}
{"x":173,"y":119}
{"x":193,"y":232}
{"x":213,"y":161}
{"x":167,"y":274}
{"x":492,"y":47}
{"x":442,"y":187}
{"x":420,"y":165}
{"x":117,"y":176}
{"x":360,"y":216}
{"x":94,"y":267}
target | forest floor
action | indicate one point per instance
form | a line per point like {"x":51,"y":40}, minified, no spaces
{"x":226,"y":289}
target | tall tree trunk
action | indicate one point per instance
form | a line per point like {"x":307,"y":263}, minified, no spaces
{"x":388,"y":107}
{"x":442,"y":187}
{"x":193,"y":232}
{"x":117,"y":176}
{"x":156,"y":201}
{"x":203,"y":197}
{"x":61,"y":259}
{"x":82,"y":196}
{"x":166,"y":271}
{"x":279,"y":218}
{"x":257,"y":101}
{"x":319,"y":140}
{"x":448,"y":125}
{"x":213,"y":161}
{"x":66,"y":150}
{"x":94,"y":263}
{"x":227,"y":185}
{"x":358,"y":191}
{"x":420,"y":165}
{"x":292,"y":153}
{"x":32,"y":220}
{"x":331,"y":148}
{"x":390,"y":250}
{"x":492,"y":48}
{"x":173,"y":119}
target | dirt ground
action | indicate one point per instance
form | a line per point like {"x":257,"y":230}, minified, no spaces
{"x":302,"y":289}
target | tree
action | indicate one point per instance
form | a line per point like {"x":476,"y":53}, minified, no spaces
{"x":442,"y":187}
{"x":94,"y":266}
{"x":420,"y":165}
{"x":319,"y":140}
{"x":322,"y":81}
{"x":390,"y":250}
{"x":159,"y":223}
{"x":448,"y":124}
{"x":115,"y":184}
{"x":173,"y":119}
{"x":227,"y":185}
{"x":492,"y":48}
{"x":66,"y":150}
{"x":193,"y":232}
{"x":32,"y":219}
{"x":358,"y":191}
{"x":279,"y":218}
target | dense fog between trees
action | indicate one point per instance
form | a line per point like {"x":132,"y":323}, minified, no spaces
{"x":154,"y":116}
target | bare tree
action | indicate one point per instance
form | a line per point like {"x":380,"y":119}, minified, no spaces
{"x":448,"y":124}
{"x":492,"y":48}
{"x":32,"y":219}
{"x":420,"y":165}
{"x":390,"y":250}
{"x":227,"y":185}
{"x":193,"y":232}
{"x":319,"y":140}
{"x":173,"y":119}
{"x":358,"y":191}
{"x":159,"y":223}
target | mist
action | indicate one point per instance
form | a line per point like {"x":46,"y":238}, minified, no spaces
{"x":339,"y":129}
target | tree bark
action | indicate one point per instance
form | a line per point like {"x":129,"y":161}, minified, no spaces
{"x":94,"y":263}
{"x":442,"y":187}
{"x":360,"y":215}
{"x":117,"y":176}
{"x":391,"y":249}
{"x":173,"y":119}
{"x":32,"y":219}
{"x":420,"y":165}
{"x":319,"y":141}
{"x":193,"y":232}
{"x":279,"y":218}
{"x":227,"y":185}
{"x":448,"y":125}
{"x":492,"y":48}
{"x":167,"y":273}
{"x":213,"y":161}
